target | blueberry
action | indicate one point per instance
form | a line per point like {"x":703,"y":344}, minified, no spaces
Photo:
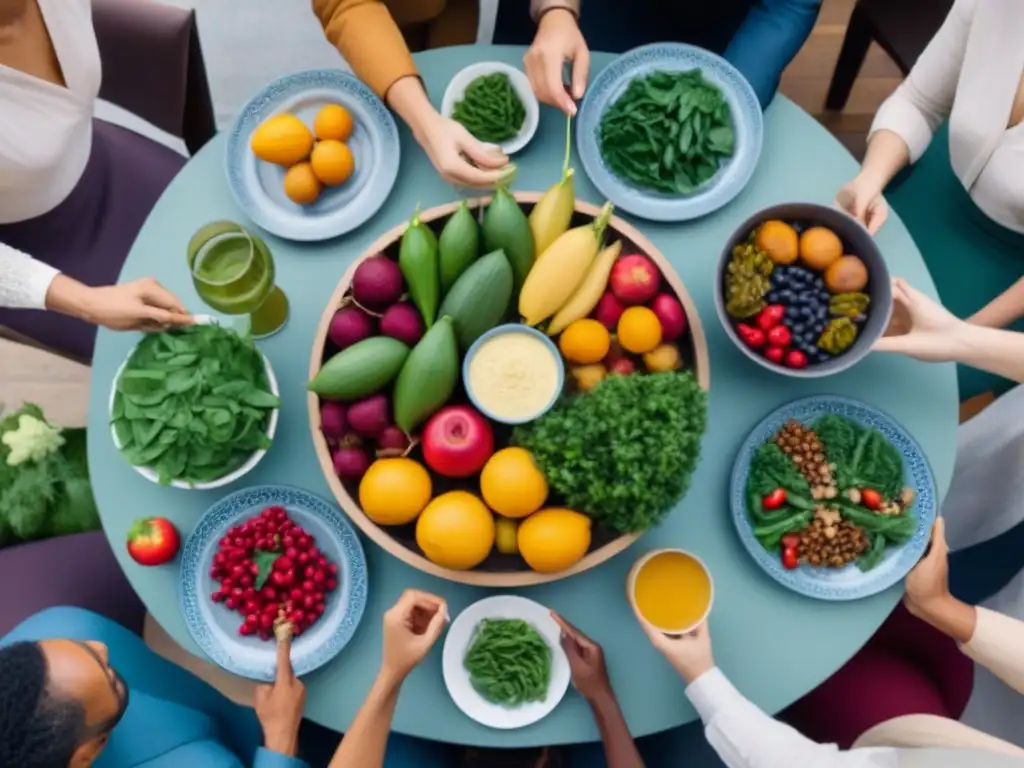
{"x":787,"y":295}
{"x":792,"y":313}
{"x":798,"y":329}
{"x":819,"y":284}
{"x":772,"y":297}
{"x":819,"y":327}
{"x":807,"y":312}
{"x":806,"y":296}
{"x":821,"y":313}
{"x":821,"y":357}
{"x":777,"y":279}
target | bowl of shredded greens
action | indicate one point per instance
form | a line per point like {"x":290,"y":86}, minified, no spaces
{"x":195,"y":407}
{"x":495,"y":103}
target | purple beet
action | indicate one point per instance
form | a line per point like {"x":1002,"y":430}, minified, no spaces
{"x":350,"y":463}
{"x":377,"y":282}
{"x":349,"y":325}
{"x":332,"y":419}
{"x":369,"y":417}
{"x":403,"y":322}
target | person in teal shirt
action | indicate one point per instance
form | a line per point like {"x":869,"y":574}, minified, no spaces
{"x":78,"y":690}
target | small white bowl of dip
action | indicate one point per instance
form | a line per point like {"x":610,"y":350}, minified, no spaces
{"x":513,"y":374}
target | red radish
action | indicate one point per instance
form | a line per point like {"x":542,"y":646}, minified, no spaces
{"x":332,"y":419}
{"x":369,"y":417}
{"x":377,"y":282}
{"x":608,"y":311}
{"x":623,"y":366}
{"x":403,"y":322}
{"x":457,"y":441}
{"x":350,"y":463}
{"x":349,"y":325}
{"x":392,"y":442}
{"x":671,"y":316}
{"x":634,"y":279}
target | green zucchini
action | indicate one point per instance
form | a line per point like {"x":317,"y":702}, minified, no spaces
{"x":428,"y":377}
{"x":507,"y":228}
{"x":458,"y":246}
{"x":479,"y":298}
{"x":417,"y":258}
{"x":360,"y":370}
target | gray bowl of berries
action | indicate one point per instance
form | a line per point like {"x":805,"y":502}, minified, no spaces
{"x":803,"y":290}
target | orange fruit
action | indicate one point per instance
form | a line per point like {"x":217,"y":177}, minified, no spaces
{"x":585,"y":341}
{"x":639,"y":330}
{"x":332,"y":162}
{"x":820,"y":247}
{"x":394,"y":491}
{"x":456,"y":531}
{"x":847,"y":274}
{"x":301,"y":184}
{"x":282,"y":139}
{"x":779,"y":241}
{"x":554,"y":539}
{"x":512,"y":484}
{"x":333,"y":122}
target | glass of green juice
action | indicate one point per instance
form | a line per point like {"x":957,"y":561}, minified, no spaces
{"x":233,"y":272}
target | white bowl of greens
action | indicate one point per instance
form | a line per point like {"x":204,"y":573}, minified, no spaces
{"x":195,"y":408}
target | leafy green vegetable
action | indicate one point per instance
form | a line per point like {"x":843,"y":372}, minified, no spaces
{"x":864,"y":458}
{"x":624,"y":453}
{"x":509,"y":663}
{"x":770,"y":468}
{"x":668,"y":132}
{"x":265,"y":564}
{"x":490,"y":108}
{"x":46,"y":494}
{"x":193,"y":404}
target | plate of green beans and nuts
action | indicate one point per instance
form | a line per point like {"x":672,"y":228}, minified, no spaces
{"x":503,"y":662}
{"x":495,"y":103}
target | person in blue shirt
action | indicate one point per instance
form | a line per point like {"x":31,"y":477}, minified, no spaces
{"x":78,"y":690}
{"x":759,"y":37}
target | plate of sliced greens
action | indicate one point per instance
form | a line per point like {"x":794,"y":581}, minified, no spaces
{"x":194,"y":407}
{"x":670,"y":132}
{"x":503,"y":662}
{"x":833,"y":498}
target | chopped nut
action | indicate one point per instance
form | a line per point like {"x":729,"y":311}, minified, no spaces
{"x":831,"y":492}
{"x":853,"y":495}
{"x":830,"y":532}
{"x":906,"y":497}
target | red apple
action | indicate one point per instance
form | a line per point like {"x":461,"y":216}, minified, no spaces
{"x":634,"y":279}
{"x":153,"y":541}
{"x":671,"y":316}
{"x":608,"y":311}
{"x":457,"y":441}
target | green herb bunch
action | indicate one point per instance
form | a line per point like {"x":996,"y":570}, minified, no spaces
{"x":622,"y":453}
{"x":44,"y":487}
{"x":668,"y":132}
{"x":508,"y":662}
{"x":490,"y":109}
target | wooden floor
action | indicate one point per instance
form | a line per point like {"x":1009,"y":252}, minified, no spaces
{"x":61,"y":387}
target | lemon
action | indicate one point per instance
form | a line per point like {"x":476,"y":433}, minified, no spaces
{"x":282,"y":139}
{"x":512,"y":484}
{"x":456,"y":531}
{"x":554,"y":539}
{"x":301,"y":184}
{"x":332,"y":162}
{"x":333,"y":121}
{"x":505,"y":532}
{"x":394,"y":491}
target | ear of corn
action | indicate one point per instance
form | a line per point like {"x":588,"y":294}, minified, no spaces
{"x":589,"y":291}
{"x":552,"y":214}
{"x":561,"y":268}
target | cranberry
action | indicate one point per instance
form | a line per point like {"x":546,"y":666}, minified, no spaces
{"x":320,"y":608}
{"x":246,"y":580}
{"x":319,"y":577}
{"x":237,"y":592}
{"x":237,"y":571}
{"x":270,"y":609}
{"x":251,"y":606}
{"x":314,"y":552}
{"x":322,"y":561}
{"x":219,"y":559}
{"x":252,"y":618}
{"x":304,"y":542}
{"x":248,"y":593}
{"x":225,"y":541}
{"x":331,"y":585}
{"x":296,"y":594}
{"x":239,"y":542}
{"x":267,"y":621}
{"x":283,"y":563}
{"x":264,"y":634}
{"x":308,"y":602}
{"x":308,"y":586}
{"x":268,"y":592}
{"x":231,"y":603}
{"x":254,"y":569}
{"x":217,"y":596}
{"x":246,"y":629}
{"x":281,"y":515}
{"x":227,"y":583}
{"x":303,"y":558}
{"x":214,"y":572}
{"x":288,"y":541}
{"x":332,"y":569}
{"x":297,"y":616}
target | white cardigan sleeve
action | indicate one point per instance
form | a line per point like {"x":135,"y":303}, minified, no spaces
{"x":23,"y":280}
{"x":746,"y":737}
{"x":998,"y":645}
{"x":924,"y":100}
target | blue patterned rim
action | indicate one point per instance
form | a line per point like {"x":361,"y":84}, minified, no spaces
{"x":732,"y":177}
{"x":215,"y":629}
{"x":257,"y":186}
{"x":848,"y":583}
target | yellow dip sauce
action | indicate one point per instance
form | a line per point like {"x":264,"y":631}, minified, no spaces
{"x":672,"y":591}
{"x":514,"y":376}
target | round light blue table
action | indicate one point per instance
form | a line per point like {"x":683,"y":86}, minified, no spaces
{"x":759,"y":629}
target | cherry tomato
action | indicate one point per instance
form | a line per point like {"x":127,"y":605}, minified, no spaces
{"x":791,"y":541}
{"x":752,"y":337}
{"x":770,"y":316}
{"x":796,"y":359}
{"x":871,"y":498}
{"x":774,"y":500}
{"x":775,"y":354}
{"x":789,"y":559}
{"x":779,"y":336}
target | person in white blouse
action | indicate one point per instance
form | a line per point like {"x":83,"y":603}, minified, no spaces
{"x":74,"y":190}
{"x":963,"y":200}
{"x":746,"y":737}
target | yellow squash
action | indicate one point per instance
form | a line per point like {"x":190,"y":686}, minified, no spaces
{"x":561,"y":268}
{"x":552,"y":214}
{"x":589,"y":292}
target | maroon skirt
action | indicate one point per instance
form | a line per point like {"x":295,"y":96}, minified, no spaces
{"x":88,"y":236}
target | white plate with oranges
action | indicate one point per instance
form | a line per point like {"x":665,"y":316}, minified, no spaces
{"x":313,"y":155}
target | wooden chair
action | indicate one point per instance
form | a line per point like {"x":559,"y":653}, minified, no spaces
{"x":903,"y":29}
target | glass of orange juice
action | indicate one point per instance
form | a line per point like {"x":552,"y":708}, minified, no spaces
{"x":671,"y":589}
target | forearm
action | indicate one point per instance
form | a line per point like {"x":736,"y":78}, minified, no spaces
{"x":989,"y":349}
{"x":886,"y":155}
{"x":619,"y":748}
{"x":24,"y":282}
{"x":996,"y":644}
{"x":950,"y":616}
{"x":539,"y":7}
{"x":1005,"y":309}
{"x":408,"y":98}
{"x":366,"y":741}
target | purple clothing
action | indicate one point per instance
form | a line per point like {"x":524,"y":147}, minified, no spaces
{"x":89,"y":235}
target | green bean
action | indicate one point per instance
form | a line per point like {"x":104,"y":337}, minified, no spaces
{"x":490,"y":108}
{"x":509,"y":663}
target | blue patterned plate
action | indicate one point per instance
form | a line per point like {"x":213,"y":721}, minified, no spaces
{"x":849,"y":583}
{"x":215,"y":628}
{"x":258,"y":187}
{"x":733,"y":175}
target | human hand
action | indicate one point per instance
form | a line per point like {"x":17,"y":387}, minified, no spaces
{"x":558,"y":40}
{"x":863,"y":200}
{"x":586,"y":661}
{"x":279,"y":706}
{"x":141,"y":305}
{"x":921,"y":327}
{"x":927,"y":585}
{"x":411,"y":628}
{"x":689,"y":654}
{"x":460,"y":158}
